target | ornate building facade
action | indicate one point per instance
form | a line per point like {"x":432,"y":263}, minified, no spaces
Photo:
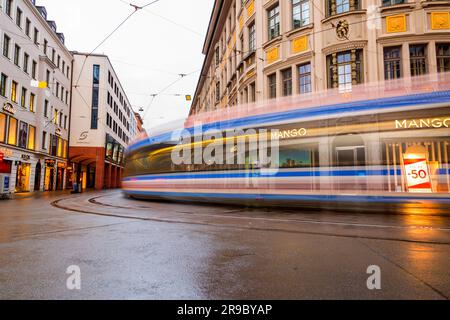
{"x":263,"y":49}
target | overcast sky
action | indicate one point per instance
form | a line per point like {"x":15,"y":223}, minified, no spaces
{"x":147,"y":52}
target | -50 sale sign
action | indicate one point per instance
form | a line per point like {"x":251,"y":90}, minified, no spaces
{"x":417,"y":175}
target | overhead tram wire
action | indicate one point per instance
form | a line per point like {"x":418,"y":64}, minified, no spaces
{"x":136,"y":9}
{"x":169,"y":20}
{"x":182,"y":76}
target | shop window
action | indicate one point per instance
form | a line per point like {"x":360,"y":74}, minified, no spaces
{"x":31,"y":138}
{"x":12,"y":131}
{"x":392,"y":62}
{"x":418,"y":59}
{"x":296,"y":156}
{"x":443,"y":57}
{"x":2,"y":127}
{"x":60,"y":147}
{"x":23,"y":133}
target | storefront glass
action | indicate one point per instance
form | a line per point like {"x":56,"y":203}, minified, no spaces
{"x":2,"y":127}
{"x":23,"y":177}
{"x":12,"y":132}
{"x":31,"y":138}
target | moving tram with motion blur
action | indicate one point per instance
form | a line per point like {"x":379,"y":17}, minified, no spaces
{"x":386,"y":145}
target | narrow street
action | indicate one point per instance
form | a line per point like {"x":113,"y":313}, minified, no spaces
{"x":129,"y":249}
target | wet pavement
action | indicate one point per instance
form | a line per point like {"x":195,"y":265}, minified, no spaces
{"x":129,"y":249}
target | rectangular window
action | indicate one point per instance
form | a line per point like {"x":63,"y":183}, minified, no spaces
{"x":44,"y":140}
{"x":300,"y":13}
{"x":23,"y":98}
{"x":217,"y":56}
{"x":342,"y":6}
{"x":26,"y":59}
{"x":36,"y":36}
{"x":65,"y":122}
{"x":23,"y":134}
{"x":53,"y":55}
{"x":95,"y":96}
{"x":252,"y":37}
{"x":6,"y":44}
{"x":304,"y":74}
{"x":272,"y":86}
{"x":16,"y":55}
{"x":33,"y":69}
{"x":12,"y":131}
{"x":46,"y":109}
{"x":8,"y":7}
{"x":14,"y":91}
{"x":4,"y":80}
{"x":53,"y":145}
{"x":45,"y":46}
{"x":31,"y":138}
{"x":217,"y":92}
{"x":32,"y":98}
{"x":287,"y":82}
{"x":57,"y":89}
{"x":47,"y":78}
{"x":443,"y":57}
{"x":418,"y":59}
{"x":252,"y":92}
{"x":55,"y":116}
{"x":19,"y":18}
{"x":274,"y":22}
{"x":27,"y":27}
{"x":392,"y":2}
{"x":2,"y":127}
{"x":341,"y":69}
{"x":392,"y":62}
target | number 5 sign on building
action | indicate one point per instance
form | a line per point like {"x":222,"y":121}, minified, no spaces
{"x":417,"y":174}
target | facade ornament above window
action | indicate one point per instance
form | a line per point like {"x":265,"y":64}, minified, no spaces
{"x":342,"y":29}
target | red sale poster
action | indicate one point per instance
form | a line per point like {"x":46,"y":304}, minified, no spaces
{"x":417,"y":174}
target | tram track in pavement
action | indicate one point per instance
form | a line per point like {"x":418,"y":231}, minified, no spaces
{"x":229,"y":219}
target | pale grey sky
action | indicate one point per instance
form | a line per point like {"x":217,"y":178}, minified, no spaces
{"x":147,"y":52}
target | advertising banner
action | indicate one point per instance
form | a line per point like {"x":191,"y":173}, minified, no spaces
{"x":417,"y":174}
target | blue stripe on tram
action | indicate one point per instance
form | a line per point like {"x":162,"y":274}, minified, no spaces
{"x":334,"y":198}
{"x":236,"y":175}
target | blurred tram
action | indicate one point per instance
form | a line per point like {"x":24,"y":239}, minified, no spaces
{"x":382,"y":144}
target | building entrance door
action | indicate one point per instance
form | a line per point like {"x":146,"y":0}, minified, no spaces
{"x":23,"y":177}
{"x":37,"y":177}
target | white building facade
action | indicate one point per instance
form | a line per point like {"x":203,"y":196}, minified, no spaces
{"x":35,"y":95}
{"x":102,"y":122}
